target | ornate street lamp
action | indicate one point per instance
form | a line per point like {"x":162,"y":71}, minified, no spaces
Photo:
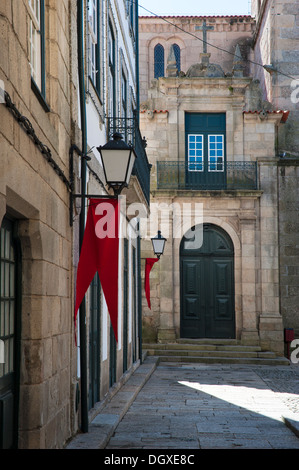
{"x":158,"y":244}
{"x":118,"y":159}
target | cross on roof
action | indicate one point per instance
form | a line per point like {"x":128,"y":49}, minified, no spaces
{"x":204,"y":28}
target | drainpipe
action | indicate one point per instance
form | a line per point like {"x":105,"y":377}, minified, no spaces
{"x":82,"y":319}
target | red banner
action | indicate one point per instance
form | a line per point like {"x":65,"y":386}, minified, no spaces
{"x":149,"y":262}
{"x":99,"y":253}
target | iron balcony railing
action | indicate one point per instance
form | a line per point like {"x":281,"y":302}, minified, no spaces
{"x":198,"y":176}
{"x":129,"y":129}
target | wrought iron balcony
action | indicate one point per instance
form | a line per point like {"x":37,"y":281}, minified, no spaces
{"x":215,"y":176}
{"x":129,"y":129}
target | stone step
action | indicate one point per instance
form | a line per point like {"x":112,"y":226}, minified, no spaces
{"x":213,"y":351}
{"x":205,"y":353}
{"x":277,"y":361}
{"x":208,"y":341}
{"x":201,"y":347}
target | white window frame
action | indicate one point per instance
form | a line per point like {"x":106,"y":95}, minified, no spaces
{"x":34,"y":36}
{"x":218,"y":164}
{"x":93,"y":38}
{"x":196,"y":165}
{"x":92,"y":17}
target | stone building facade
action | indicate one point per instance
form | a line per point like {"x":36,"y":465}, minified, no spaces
{"x":182,"y":31}
{"x":277,"y":26}
{"x":110,"y":100}
{"x":68,"y":81}
{"x":209,"y":293}
{"x":37,"y":377}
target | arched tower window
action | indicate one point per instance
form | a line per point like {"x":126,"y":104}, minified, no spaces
{"x":159,"y":61}
{"x":177,"y":53}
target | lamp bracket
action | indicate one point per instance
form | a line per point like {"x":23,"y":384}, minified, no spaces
{"x":87,"y":196}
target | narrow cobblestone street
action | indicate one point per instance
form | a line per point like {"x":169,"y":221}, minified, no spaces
{"x":209,"y":407}
{"x":199,"y":406}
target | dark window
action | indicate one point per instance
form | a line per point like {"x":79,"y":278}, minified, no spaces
{"x":9,"y":333}
{"x":111,"y":58}
{"x":159,"y":61}
{"x":177,"y":53}
{"x":131,"y":11}
{"x":94,"y":43}
{"x":123,"y":95}
{"x":37,"y":49}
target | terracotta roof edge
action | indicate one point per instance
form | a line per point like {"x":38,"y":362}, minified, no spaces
{"x":285,"y":113}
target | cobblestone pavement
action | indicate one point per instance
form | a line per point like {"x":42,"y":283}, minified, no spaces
{"x":198,"y":406}
{"x":284,"y":381}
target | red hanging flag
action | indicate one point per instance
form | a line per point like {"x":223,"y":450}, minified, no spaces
{"x":149,"y":262}
{"x":99,"y":253}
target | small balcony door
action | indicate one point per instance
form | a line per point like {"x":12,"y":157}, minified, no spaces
{"x":205,"y":146}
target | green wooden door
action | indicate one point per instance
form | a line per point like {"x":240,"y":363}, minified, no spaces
{"x":94,"y":342}
{"x":125,"y":305}
{"x":9,"y":334}
{"x":112,"y":359}
{"x":205,"y":145}
{"x":207,"y":286}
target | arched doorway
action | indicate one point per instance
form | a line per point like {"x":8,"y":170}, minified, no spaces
{"x":207,"y":283}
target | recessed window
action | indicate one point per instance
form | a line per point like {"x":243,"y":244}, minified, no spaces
{"x":123,"y":95}
{"x":94,"y":43}
{"x":131,"y":12}
{"x":205,"y":150}
{"x":159,"y":61}
{"x":36,"y":39}
{"x":177,"y":54}
{"x":111,"y":59}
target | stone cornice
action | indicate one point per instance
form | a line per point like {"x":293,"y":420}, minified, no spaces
{"x":207,"y":193}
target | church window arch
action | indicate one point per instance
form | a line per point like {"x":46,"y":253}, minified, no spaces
{"x":159,"y":61}
{"x":177,"y":53}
